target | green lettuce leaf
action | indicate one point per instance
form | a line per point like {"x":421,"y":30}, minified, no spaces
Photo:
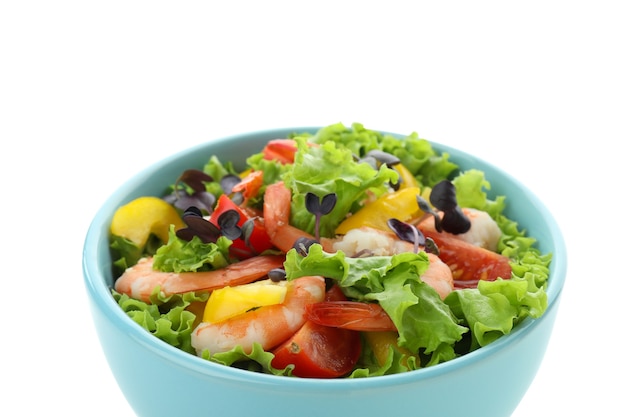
{"x":258,"y":360}
{"x":179,"y":255}
{"x":217,"y":170}
{"x":471,"y":191}
{"x":167,"y":318}
{"x":327,"y":169}
{"x":494,"y":308}
{"x":126,"y":253}
{"x":415,"y":153}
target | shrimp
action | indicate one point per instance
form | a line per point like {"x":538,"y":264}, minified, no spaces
{"x":140,"y":280}
{"x":269,"y":325}
{"x":369,"y":241}
{"x":484,"y":231}
{"x":276,"y":213}
{"x":439,"y":276}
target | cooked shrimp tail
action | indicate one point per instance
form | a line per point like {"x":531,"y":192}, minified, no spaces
{"x":351,"y":315}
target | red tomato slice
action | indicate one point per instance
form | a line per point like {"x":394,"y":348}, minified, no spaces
{"x":281,"y":150}
{"x":470,"y":263}
{"x":319,"y":351}
{"x":250,"y":184}
{"x":259,"y":240}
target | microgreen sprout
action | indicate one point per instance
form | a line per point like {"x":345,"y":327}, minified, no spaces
{"x":375,"y":158}
{"x":246,"y":231}
{"x":443,"y":198}
{"x":198,"y":226}
{"x":319,"y":207}
{"x":430,"y":246}
{"x":190,"y":190}
{"x":382,"y":157}
{"x":277,"y":274}
{"x":227,"y":222}
{"x":428,"y":210}
{"x":228,"y":181}
{"x":410,"y":233}
{"x":302,"y":245}
{"x":407,"y":232}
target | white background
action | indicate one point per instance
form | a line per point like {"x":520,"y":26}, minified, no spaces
{"x":93,"y":92}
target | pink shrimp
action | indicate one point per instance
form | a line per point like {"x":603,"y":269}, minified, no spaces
{"x":439,"y":276}
{"x":276,"y":213}
{"x":140,"y":280}
{"x":269,"y":325}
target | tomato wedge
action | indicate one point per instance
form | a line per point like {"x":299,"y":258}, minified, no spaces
{"x":259,"y":239}
{"x":318,"y":351}
{"x":468,"y":263}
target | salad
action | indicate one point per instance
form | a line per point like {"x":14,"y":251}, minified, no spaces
{"x":344,"y":253}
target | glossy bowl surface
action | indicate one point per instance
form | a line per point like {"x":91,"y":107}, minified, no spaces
{"x":160,"y":380}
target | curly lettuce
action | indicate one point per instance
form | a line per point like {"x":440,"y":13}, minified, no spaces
{"x":416,"y":154}
{"x":327,"y":169}
{"x":180,"y":255}
{"x":166,"y":317}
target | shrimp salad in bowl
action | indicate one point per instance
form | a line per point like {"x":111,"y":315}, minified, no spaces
{"x":337,"y":253}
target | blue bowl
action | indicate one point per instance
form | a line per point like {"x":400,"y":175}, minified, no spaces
{"x":160,"y":380}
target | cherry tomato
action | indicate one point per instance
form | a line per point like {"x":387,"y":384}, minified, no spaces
{"x":259,"y":239}
{"x":470,"y":263}
{"x":319,"y":351}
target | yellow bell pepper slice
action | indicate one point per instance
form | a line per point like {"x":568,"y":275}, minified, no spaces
{"x":144,"y":216}
{"x":228,"y":302}
{"x":381,"y":342}
{"x":408,"y":180}
{"x":401,"y":204}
